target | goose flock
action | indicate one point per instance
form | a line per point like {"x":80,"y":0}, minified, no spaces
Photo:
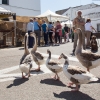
{"x":75,"y":74}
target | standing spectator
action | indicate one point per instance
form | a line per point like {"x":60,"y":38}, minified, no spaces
{"x":66,"y":32}
{"x":53,"y":35}
{"x":30,"y":28}
{"x":79,"y":22}
{"x":64,"y":35}
{"x":72,"y":35}
{"x":39,"y":21}
{"x":50,"y":31}
{"x":58,"y":32}
{"x":45,"y":33}
{"x":37,"y":30}
{"x":88,"y":30}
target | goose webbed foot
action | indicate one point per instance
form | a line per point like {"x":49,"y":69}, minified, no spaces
{"x":58,"y":78}
{"x":23,"y":76}
{"x":70,"y":84}
{"x":88,"y":69}
{"x":77,"y":88}
{"x":29,"y":75}
{"x":37,"y":70}
{"x":54,"y":77}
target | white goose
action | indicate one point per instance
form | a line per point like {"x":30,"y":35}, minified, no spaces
{"x":26,"y":60}
{"x":87,"y":59}
{"x":37,"y":56}
{"x":76,"y":74}
{"x":54,"y":66}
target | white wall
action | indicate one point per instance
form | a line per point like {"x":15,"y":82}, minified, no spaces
{"x":72,"y":12}
{"x":23,"y":7}
{"x":87,"y":9}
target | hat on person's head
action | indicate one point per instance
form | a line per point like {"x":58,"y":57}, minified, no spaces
{"x":31,"y":19}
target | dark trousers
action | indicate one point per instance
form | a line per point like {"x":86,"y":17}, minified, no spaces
{"x":45,"y":38}
{"x":57,"y":37}
{"x":37,"y":32}
{"x":50,"y":36}
{"x":30,"y":40}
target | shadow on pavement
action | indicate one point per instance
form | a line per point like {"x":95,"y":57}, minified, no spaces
{"x":17,"y":82}
{"x":21,"y":48}
{"x":35,"y":72}
{"x":69,"y":95}
{"x":52,"y":82}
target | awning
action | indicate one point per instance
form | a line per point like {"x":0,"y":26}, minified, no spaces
{"x":53,"y":16}
{"x":5,"y":13}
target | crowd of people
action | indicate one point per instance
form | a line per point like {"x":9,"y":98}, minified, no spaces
{"x":52,"y":32}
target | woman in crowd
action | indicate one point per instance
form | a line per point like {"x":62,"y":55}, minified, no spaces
{"x":50,"y":31}
{"x":53,"y":35}
{"x":66,"y":32}
{"x":64,"y":35}
{"x":45,"y":33}
{"x":88,"y":30}
{"x":58,"y":32}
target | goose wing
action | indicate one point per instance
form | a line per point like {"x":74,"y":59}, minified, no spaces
{"x":79,"y":75}
{"x":54,"y":65}
{"x":90,"y":56}
{"x":26,"y":59}
{"x":38,"y":56}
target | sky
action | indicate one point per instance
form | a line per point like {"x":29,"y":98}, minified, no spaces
{"x":55,"y":5}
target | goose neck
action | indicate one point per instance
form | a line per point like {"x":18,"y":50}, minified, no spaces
{"x":35,"y":44}
{"x":26,"y":45}
{"x":79,"y":46}
{"x":49,"y":55}
{"x":66,"y":62}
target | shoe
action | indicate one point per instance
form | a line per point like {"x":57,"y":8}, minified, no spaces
{"x":87,"y":47}
{"x":46,"y":45}
{"x":73,"y":54}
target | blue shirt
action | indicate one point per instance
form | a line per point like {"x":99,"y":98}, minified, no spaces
{"x":30,"y":27}
{"x":36,"y":27}
{"x":44,"y":26}
{"x":49,"y":27}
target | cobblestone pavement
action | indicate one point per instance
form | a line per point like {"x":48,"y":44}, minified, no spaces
{"x":40,"y":86}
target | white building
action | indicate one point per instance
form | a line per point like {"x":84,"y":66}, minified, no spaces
{"x":22,"y":7}
{"x":91,"y":11}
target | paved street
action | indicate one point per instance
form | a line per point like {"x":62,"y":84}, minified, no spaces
{"x":40,"y":86}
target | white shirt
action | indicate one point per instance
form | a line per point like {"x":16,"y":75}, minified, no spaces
{"x":30,"y":27}
{"x":88,"y":27}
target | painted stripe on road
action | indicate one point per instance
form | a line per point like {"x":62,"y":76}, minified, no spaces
{"x":6,"y":70}
{"x":57,"y":56}
{"x":8,"y":77}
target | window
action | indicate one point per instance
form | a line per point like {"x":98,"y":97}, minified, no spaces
{"x":6,"y":2}
{"x":98,"y":27}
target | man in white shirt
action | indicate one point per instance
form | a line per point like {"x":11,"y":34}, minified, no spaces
{"x":30,"y":28}
{"x":88,"y":30}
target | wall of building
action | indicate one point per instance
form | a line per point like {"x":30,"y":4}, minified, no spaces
{"x":91,"y":11}
{"x":72,"y":12}
{"x":23,"y":7}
